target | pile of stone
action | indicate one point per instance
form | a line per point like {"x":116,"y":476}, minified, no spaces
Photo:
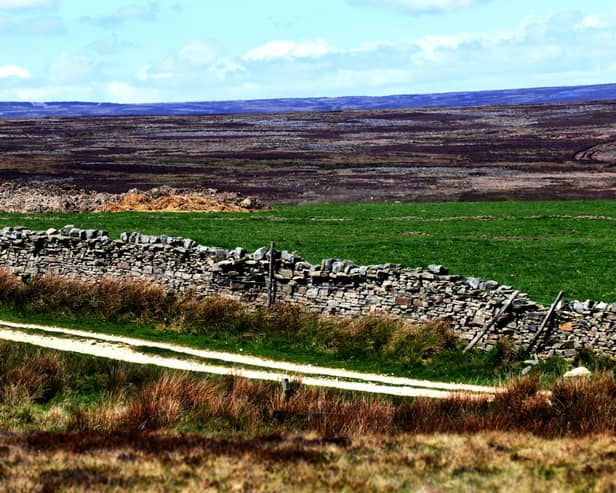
{"x":38,"y":198}
{"x":46,"y":197}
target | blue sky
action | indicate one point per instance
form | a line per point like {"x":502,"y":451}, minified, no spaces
{"x":200,"y":50}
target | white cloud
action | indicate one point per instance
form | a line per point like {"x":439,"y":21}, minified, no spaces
{"x":146,"y":12}
{"x":289,"y":49}
{"x":41,"y":25}
{"x":144,"y":74}
{"x":419,"y":6}
{"x":197,"y":54}
{"x":122,"y":92}
{"x":25,"y":4}
{"x":431,"y":45}
{"x":221,"y":68}
{"x":70,"y":68}
{"x":51,"y":93}
{"x":141,"y":12}
{"x":7,"y":71}
{"x":347,"y":79}
{"x":198,"y":62}
{"x":540,"y":50}
{"x":592,"y":21}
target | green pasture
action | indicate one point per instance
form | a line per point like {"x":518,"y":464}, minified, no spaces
{"x":538,"y":247}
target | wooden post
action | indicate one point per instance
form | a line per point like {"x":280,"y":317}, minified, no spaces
{"x":271,"y":285}
{"x":547,"y":318}
{"x":487,"y":328}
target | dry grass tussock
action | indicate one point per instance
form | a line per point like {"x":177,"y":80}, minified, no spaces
{"x":572,"y":409}
{"x":123,"y":397}
{"x":107,"y":299}
{"x":168,"y":461}
{"x":236,"y":405}
{"x":138,"y":433}
{"x":26,"y":378}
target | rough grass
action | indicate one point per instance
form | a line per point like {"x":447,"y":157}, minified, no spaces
{"x":42,"y":389}
{"x":538,"y":247}
{"x":168,"y":461}
{"x":377,"y":343}
{"x":110,"y":426}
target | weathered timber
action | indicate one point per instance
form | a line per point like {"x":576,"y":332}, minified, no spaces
{"x":492,"y":323}
{"x":546,"y":320}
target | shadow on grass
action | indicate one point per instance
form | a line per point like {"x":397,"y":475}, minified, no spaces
{"x":272,"y":448}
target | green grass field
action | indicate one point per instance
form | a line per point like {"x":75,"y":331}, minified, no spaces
{"x":538,"y":247}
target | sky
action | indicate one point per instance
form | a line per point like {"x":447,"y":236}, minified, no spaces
{"x":136,"y":51}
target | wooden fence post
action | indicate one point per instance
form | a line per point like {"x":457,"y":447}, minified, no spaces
{"x":486,"y":329}
{"x":271,"y":285}
{"x":547,"y":318}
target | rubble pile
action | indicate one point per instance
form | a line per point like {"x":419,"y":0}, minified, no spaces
{"x":39,"y":198}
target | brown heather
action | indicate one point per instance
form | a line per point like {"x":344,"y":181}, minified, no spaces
{"x":574,"y":408}
{"x":172,"y":461}
{"x":137,"y":398}
{"x":138,"y":433}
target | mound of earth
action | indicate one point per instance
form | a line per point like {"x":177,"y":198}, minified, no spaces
{"x":44,"y":197}
{"x":174,"y":200}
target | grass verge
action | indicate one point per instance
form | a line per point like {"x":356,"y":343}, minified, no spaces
{"x":138,"y":309}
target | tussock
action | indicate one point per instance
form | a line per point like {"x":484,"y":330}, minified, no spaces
{"x":131,"y":398}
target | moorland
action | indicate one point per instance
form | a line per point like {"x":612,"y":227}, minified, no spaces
{"x":520,"y":152}
{"x":73,"y":422}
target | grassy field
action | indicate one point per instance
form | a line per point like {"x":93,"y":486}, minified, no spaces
{"x":538,"y":247}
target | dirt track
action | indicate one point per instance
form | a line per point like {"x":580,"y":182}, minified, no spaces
{"x":127,"y":349}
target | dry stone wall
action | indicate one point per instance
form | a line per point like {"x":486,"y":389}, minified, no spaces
{"x":333,"y":286}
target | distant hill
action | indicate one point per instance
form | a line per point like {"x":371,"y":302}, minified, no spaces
{"x":481,"y":98}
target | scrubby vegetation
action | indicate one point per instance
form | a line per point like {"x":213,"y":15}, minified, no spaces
{"x":538,"y":247}
{"x":76,"y":422}
{"x":378,"y":343}
{"x":169,"y":461}
{"x":47,"y":390}
{"x":88,"y":423}
{"x":82,"y":422}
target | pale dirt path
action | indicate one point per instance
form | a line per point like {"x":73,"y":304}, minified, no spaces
{"x":119,"y":348}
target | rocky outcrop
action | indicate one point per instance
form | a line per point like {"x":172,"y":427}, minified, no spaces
{"x":332,"y":286}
